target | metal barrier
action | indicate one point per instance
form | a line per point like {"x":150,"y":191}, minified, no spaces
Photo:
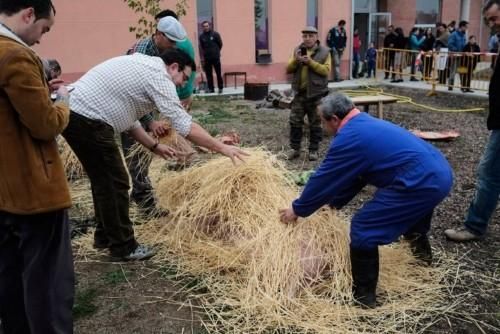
{"x":463,"y":70}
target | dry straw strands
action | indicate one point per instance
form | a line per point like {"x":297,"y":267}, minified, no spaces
{"x":266,"y":277}
{"x":72,"y":165}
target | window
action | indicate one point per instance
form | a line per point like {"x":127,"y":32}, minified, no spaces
{"x":262,"y":52}
{"x":312,"y":13}
{"x":204,"y":11}
{"x":428,"y":12}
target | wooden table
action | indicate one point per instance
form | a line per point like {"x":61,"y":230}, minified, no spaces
{"x":378,"y":100}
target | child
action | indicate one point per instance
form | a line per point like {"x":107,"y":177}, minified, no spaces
{"x":371,"y":60}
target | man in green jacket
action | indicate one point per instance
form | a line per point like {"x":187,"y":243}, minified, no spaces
{"x":169,"y":34}
{"x":310,"y":65}
{"x":36,"y":263}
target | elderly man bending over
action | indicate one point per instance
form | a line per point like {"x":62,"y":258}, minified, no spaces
{"x":412,"y":178}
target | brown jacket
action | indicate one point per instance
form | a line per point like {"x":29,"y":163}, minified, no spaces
{"x":32,"y":178}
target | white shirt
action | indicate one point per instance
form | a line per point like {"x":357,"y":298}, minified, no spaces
{"x":122,"y":90}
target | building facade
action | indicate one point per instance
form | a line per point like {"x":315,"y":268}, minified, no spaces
{"x":258,"y":35}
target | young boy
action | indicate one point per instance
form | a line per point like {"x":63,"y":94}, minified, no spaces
{"x":371,"y":60}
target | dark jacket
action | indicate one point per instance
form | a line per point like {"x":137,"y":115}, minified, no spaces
{"x":494,"y":114}
{"x":390,"y":39}
{"x":317,"y":84}
{"x":428,"y":43}
{"x":32,"y":178}
{"x":210,"y":45}
{"x":337,"y":38}
{"x":470,"y":60}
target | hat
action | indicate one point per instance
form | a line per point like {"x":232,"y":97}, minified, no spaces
{"x":172,"y":29}
{"x":310,"y":29}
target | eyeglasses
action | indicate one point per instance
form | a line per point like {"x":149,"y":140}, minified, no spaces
{"x":185,"y":77}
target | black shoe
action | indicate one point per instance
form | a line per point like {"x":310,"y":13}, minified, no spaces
{"x":220,"y":91}
{"x":394,"y":81}
{"x":386,"y":77}
{"x":101,"y":244}
{"x":413,"y":79}
{"x":450,"y":88}
{"x":468,"y":91}
{"x":420,"y":247}
{"x":364,"y":268}
{"x":400,"y":80}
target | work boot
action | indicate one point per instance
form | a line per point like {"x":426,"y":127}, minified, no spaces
{"x":461,"y":235}
{"x":292,"y":154}
{"x":364,"y":269}
{"x":420,"y":247}
{"x":313,"y":155}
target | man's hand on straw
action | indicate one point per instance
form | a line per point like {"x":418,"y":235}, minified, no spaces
{"x":235,"y":154}
{"x":166,"y":152}
{"x":159,"y":129}
{"x":288,"y":215}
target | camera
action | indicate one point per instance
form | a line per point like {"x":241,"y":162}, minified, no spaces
{"x":303,"y":51}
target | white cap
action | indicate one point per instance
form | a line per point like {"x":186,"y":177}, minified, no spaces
{"x":172,"y":29}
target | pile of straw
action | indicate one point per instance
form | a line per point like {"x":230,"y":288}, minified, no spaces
{"x":264,"y":276}
{"x":72,"y":166}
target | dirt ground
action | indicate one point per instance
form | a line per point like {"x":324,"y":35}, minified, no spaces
{"x":144,"y":298}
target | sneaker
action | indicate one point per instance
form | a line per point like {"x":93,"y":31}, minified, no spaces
{"x":461,"y":235}
{"x":154,"y":212}
{"x":313,"y":155}
{"x":292,"y":154}
{"x":142,"y":252}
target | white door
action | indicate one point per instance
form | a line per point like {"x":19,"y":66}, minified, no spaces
{"x":377,"y":28}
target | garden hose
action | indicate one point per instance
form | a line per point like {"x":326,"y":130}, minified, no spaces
{"x":401,"y":99}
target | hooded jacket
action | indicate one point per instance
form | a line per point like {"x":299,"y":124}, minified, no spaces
{"x":32,"y":178}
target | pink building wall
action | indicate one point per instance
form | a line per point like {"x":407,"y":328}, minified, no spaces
{"x":91,"y":31}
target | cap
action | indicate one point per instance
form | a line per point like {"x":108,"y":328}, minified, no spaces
{"x":310,"y":29}
{"x":172,"y":29}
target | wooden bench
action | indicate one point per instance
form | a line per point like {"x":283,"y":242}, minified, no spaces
{"x":378,"y":100}
{"x":235,"y":75}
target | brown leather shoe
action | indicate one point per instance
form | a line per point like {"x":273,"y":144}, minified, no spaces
{"x":461,"y":235}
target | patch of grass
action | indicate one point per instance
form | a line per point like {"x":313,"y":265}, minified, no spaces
{"x":84,"y":303}
{"x":116,"y":277}
{"x":214,"y":115}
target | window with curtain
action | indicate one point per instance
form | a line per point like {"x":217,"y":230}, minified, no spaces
{"x":312,"y":13}
{"x":204,"y":12}
{"x":428,"y":12}
{"x":262,"y":51}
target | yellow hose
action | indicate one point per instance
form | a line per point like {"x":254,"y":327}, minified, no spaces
{"x":401,"y":99}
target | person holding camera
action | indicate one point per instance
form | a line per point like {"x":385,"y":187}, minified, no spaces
{"x":310,"y":65}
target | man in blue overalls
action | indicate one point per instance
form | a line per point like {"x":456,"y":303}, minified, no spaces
{"x":412,"y":178}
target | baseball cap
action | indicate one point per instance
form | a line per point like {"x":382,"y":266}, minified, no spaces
{"x":172,"y":29}
{"x":310,"y":29}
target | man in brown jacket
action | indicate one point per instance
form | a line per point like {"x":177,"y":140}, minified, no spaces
{"x":36,"y":264}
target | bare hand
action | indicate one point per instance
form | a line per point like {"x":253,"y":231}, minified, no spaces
{"x":186,"y":103}
{"x":288,"y":215}
{"x":234,"y":153}
{"x":164,"y":151}
{"x":55,"y":84}
{"x":158,"y":129}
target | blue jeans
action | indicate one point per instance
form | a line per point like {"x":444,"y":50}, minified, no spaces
{"x":487,"y":189}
